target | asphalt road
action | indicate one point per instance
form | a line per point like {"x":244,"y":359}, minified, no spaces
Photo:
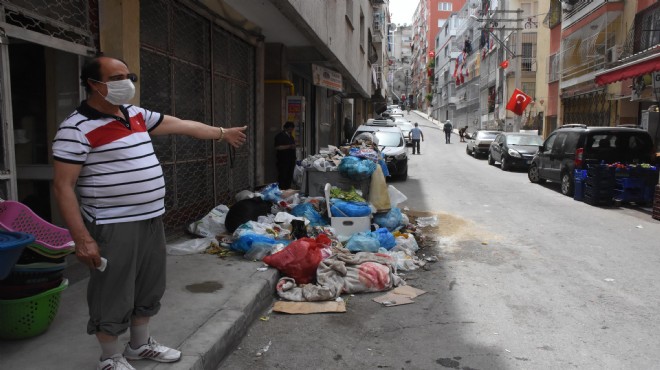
{"x":526,"y":279}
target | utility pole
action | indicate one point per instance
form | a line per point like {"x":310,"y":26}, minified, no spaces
{"x":518,"y":71}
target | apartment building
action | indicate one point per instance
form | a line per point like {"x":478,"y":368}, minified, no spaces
{"x":400,"y":51}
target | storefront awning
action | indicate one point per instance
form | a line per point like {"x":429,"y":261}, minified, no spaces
{"x":636,"y":68}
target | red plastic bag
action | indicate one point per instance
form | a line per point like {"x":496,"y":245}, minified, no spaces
{"x":300,"y":259}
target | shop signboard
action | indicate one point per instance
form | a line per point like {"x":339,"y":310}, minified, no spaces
{"x":326,"y":78}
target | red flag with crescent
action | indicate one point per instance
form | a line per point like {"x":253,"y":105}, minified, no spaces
{"x":504,"y":64}
{"x":518,"y":102}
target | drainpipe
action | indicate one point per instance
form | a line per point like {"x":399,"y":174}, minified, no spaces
{"x":283,"y":82}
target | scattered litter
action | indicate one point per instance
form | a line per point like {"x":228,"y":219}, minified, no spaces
{"x":303,"y":308}
{"x":484,"y":243}
{"x":431,"y":259}
{"x":496,"y":333}
{"x":262,"y":269}
{"x":339,"y":299}
{"x":507,"y":350}
{"x":427,"y":221}
{"x":264,"y":318}
{"x":609,"y":280}
{"x":265,"y":349}
{"x":191,"y":246}
{"x":399,"y":296}
{"x":640,"y":226}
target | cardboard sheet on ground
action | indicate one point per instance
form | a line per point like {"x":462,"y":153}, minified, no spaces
{"x":309,"y":307}
{"x":398,"y":296}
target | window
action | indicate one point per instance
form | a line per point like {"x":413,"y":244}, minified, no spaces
{"x":444,"y":7}
{"x":349,"y":13}
{"x":553,"y":68}
{"x":528,"y":61}
{"x":529,"y":88}
{"x":362,"y":30}
{"x":441,"y":22}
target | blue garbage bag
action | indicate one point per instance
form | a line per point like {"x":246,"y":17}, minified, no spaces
{"x":385,"y":238}
{"x":390,"y":220}
{"x":363,"y":242}
{"x":245,"y":241}
{"x":343,"y":208}
{"x":355,"y":168}
{"x":271,"y":193}
{"x":308,"y":211}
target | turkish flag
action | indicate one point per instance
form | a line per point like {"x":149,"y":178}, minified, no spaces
{"x":504,"y":64}
{"x":518,"y":102}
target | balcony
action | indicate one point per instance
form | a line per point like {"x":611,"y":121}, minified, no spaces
{"x":574,"y":11}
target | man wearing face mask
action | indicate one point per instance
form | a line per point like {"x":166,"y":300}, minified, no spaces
{"x":104,"y":151}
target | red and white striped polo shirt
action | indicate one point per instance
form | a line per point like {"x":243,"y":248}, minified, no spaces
{"x":121,"y":179}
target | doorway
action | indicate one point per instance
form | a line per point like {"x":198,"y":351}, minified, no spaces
{"x":44,"y":91}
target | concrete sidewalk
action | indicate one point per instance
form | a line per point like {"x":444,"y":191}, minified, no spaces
{"x":208,"y":306}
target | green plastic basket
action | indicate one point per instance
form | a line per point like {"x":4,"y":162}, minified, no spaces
{"x":30,"y":316}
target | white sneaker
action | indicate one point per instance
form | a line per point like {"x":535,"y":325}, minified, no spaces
{"x":116,"y":362}
{"x":152,"y":351}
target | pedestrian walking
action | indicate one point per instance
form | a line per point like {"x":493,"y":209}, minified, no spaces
{"x":415,"y":135}
{"x":447,"y":128}
{"x":285,"y":153}
{"x":103,"y":150}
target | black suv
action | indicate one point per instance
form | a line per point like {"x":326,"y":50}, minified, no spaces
{"x":571,"y":147}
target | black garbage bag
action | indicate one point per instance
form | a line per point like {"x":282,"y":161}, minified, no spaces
{"x":246,"y":210}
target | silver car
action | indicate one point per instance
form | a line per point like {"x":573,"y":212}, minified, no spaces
{"x":479,"y":143}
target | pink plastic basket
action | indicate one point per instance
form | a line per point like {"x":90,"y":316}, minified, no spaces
{"x":15,"y":216}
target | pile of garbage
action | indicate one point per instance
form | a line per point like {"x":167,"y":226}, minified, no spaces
{"x":323,"y":246}
{"x":293,"y":234}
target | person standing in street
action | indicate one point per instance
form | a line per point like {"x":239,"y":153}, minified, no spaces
{"x":285,"y":151}
{"x":447,"y":128}
{"x":103,"y":151}
{"x":461,"y":133}
{"x":416,"y":134}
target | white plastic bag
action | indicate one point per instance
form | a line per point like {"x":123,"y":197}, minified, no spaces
{"x":396,"y":196}
{"x":408,"y":244}
{"x":298,"y":175}
{"x":212,"y":224}
{"x":190,"y":246}
{"x":319,"y":164}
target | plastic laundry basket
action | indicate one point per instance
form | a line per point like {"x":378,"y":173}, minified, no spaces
{"x":15,"y":216}
{"x":30,"y":316}
{"x":12,"y":245}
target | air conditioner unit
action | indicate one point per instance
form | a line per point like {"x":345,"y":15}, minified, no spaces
{"x":612,"y":54}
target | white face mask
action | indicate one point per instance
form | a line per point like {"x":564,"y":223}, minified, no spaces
{"x":119,"y":92}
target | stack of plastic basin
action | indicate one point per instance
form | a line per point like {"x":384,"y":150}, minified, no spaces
{"x":12,"y":245}
{"x":30,"y":289}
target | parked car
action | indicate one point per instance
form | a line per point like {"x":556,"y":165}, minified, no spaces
{"x":514,"y":149}
{"x":574,"y":146}
{"x":405,"y":127}
{"x":392,"y":144}
{"x":479,"y":142}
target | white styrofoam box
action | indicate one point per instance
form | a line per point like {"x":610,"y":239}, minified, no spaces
{"x":346,"y":226}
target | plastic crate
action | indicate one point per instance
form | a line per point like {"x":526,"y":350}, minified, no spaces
{"x":598,"y":191}
{"x":600,"y":171}
{"x":12,"y":245}
{"x":30,"y":316}
{"x":15,"y":216}
{"x":636,"y":183}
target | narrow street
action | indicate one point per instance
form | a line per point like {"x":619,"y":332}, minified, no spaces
{"x":527,"y":279}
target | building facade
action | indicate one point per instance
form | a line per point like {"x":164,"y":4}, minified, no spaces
{"x":226,"y":63}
